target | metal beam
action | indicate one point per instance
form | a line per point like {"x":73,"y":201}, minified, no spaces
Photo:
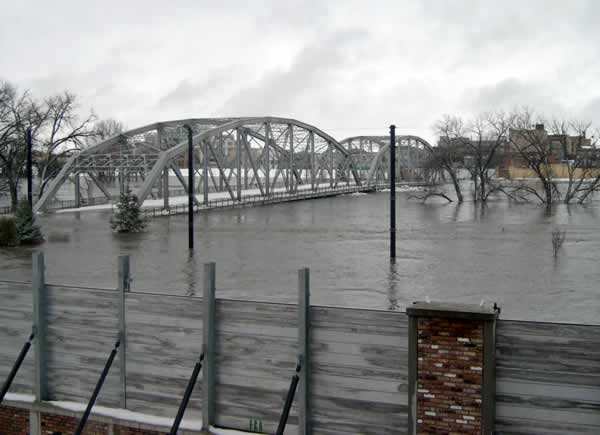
{"x":238,"y":156}
{"x":222,"y":173}
{"x":179,"y":176}
{"x":267,"y":161}
{"x":100,"y":185}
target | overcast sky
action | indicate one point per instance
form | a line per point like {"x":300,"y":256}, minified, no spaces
{"x":348,"y":67}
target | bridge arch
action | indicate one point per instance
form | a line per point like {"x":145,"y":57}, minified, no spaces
{"x":265,"y":152}
{"x":371,"y":156}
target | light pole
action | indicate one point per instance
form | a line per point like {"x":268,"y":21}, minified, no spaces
{"x":190,"y":189}
{"x":393,"y":192}
{"x":29,"y":169}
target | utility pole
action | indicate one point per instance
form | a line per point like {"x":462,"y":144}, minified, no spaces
{"x":190,"y":189}
{"x":393,"y":192}
{"x":29,"y":169}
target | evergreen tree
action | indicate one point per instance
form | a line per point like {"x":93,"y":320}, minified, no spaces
{"x":128,"y":218}
{"x":28,"y":232}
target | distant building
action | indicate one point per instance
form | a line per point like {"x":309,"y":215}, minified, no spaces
{"x":560,"y":148}
{"x":465,"y":149}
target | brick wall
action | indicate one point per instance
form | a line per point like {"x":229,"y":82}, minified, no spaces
{"x":14,"y":421}
{"x":449,"y":376}
{"x":53,"y":424}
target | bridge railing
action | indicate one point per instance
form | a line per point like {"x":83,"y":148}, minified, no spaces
{"x":257,"y":199}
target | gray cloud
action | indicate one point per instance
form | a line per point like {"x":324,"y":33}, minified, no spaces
{"x":345,"y":64}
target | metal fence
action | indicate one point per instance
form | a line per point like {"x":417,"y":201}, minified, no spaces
{"x":258,"y":199}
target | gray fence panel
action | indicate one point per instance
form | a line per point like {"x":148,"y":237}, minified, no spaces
{"x":359,"y":371}
{"x":257,"y":345}
{"x":548,"y":378}
{"x":164,"y":342}
{"x":15,"y":326}
{"x":82,"y":329}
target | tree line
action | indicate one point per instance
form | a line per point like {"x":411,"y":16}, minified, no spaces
{"x":489,"y":143}
{"x":56,"y":127}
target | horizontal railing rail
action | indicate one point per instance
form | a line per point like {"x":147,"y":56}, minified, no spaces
{"x":258,"y":199}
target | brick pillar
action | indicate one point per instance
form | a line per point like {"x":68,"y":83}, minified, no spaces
{"x":451,"y":368}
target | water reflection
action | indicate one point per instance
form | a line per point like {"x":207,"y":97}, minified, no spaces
{"x":189,"y":270}
{"x":392,"y":279}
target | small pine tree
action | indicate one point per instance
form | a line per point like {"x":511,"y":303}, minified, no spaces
{"x":28,"y":232}
{"x":128,"y":218}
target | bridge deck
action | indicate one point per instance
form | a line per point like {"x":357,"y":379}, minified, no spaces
{"x":250,"y":198}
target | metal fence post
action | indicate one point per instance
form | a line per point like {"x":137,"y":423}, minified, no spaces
{"x":40,"y":386}
{"x":304,"y":427}
{"x":123,"y":287}
{"x":209,"y":328}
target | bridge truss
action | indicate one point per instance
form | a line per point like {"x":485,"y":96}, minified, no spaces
{"x":237,"y":156}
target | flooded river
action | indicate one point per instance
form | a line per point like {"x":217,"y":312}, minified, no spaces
{"x":501,"y":253}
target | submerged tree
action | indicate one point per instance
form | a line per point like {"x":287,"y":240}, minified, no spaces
{"x":580,"y":159}
{"x":529,"y":141}
{"x":562,"y":152}
{"x":485,"y":148}
{"x":448,"y":155}
{"x":558,"y":238}
{"x":128,"y":218}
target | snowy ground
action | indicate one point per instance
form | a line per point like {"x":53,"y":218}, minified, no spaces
{"x":123,"y":414}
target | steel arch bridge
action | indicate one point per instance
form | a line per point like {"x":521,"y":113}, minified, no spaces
{"x":237,"y":156}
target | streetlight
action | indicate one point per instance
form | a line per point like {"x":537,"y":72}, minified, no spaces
{"x":29,"y":169}
{"x":190,"y":189}
{"x":393,"y":192}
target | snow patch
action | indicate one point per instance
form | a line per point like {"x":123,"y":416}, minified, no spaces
{"x":17,"y":397}
{"x":219,"y":431}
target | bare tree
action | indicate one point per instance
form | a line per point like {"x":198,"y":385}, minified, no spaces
{"x":449,"y":153}
{"x":580,"y":159}
{"x":105,"y":129}
{"x":17,"y":115}
{"x":484,"y":149}
{"x":533,"y":147}
{"x":60,"y":132}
